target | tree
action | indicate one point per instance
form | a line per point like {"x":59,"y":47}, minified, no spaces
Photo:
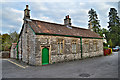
{"x":14,"y":37}
{"x":110,"y":43}
{"x":107,"y":34}
{"x":7,"y":40}
{"x":114,"y":26}
{"x":93,"y":20}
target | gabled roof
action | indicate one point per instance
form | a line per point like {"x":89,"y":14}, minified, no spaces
{"x":42,"y":27}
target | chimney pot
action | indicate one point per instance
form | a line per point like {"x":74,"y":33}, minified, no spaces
{"x":68,"y":16}
{"x":26,"y":6}
{"x":67,"y":21}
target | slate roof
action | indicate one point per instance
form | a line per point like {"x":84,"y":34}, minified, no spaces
{"x":53,"y":28}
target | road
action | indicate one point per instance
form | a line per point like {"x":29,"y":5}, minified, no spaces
{"x":97,"y":67}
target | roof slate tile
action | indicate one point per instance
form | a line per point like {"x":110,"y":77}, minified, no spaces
{"x":53,"y":28}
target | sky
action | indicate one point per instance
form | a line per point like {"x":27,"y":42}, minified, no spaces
{"x":12,"y":12}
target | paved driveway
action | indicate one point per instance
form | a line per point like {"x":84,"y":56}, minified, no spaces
{"x":97,"y":67}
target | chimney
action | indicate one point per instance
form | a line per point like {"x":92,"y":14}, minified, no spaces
{"x":67,"y":21}
{"x":26,"y":13}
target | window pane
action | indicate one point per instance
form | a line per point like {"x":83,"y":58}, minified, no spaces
{"x":86,"y":47}
{"x":61,"y":48}
{"x":74,"y":47}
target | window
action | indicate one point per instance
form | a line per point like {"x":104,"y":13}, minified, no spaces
{"x":60,"y":46}
{"x":90,"y":46}
{"x":95,"y":46}
{"x":74,"y":46}
{"x":86,"y":44}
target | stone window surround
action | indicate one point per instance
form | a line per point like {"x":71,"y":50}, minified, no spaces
{"x":90,"y":46}
{"x":74,"y":41}
{"x":49,"y":47}
{"x":59,"y":42}
{"x":86,"y":43}
{"x":95,"y":45}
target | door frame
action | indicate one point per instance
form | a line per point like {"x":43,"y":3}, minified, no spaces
{"x":41,"y":47}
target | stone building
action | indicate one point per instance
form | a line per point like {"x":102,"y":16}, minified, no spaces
{"x":12,"y":52}
{"x":43,"y":42}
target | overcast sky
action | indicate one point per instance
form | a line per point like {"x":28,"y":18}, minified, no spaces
{"x":12,"y":13}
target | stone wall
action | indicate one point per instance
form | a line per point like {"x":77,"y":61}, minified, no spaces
{"x":26,"y":46}
{"x":90,"y":51}
{"x":15,"y":52}
{"x":51,"y":43}
{"x":19,"y":48}
{"x":12,"y":53}
{"x":5,"y":54}
{"x":23,"y":44}
{"x":31,"y":46}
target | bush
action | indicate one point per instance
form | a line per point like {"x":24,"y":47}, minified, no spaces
{"x":106,"y":47}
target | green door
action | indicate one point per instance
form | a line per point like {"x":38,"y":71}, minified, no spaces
{"x":45,"y":56}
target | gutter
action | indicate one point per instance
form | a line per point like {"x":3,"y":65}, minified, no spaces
{"x":66,"y":35}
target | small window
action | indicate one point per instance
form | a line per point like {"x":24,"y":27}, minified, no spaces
{"x":90,"y":46}
{"x":74,"y":46}
{"x":60,"y":46}
{"x":95,"y":46}
{"x":86,"y":44}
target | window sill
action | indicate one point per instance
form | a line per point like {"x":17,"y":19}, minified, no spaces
{"x":60,"y":54}
{"x":74,"y":53}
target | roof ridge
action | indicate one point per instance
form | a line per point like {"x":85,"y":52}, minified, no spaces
{"x":59,"y":24}
{"x":48,"y":22}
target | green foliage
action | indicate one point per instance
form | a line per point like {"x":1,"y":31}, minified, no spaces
{"x":114,"y":27}
{"x":105,"y":44}
{"x":107,"y":34}
{"x":6,"y":40}
{"x":106,"y":47}
{"x":113,"y":34}
{"x":93,"y":20}
{"x":14,"y":37}
{"x":110,"y":43}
